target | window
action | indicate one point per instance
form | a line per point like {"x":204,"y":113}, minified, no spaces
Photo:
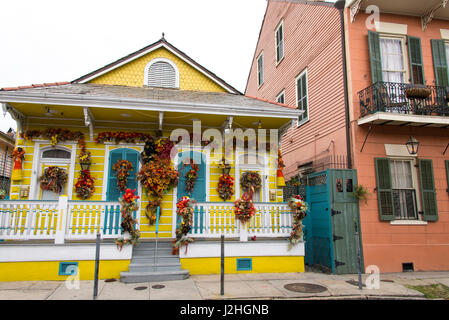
{"x":393,"y":63}
{"x":301,"y":97}
{"x":279,"y":36}
{"x":281,"y":97}
{"x":161,"y":73}
{"x":260,"y":70}
{"x":404,"y":193}
{"x":56,"y":154}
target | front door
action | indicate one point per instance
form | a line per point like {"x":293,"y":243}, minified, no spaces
{"x":113,"y":193}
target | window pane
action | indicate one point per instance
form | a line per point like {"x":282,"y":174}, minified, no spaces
{"x":56,"y":154}
{"x":392,"y":60}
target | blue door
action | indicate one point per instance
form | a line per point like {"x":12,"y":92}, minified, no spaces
{"x":113,"y":193}
{"x":199,"y":191}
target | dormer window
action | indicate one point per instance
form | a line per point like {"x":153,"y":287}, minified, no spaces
{"x":161,"y":73}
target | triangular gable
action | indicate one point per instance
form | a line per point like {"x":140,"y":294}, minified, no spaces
{"x":129,"y":70}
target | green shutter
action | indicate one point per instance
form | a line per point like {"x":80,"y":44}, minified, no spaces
{"x":384,"y":191}
{"x":375,"y":57}
{"x":415,"y":58}
{"x":428,"y":194}
{"x":440,"y":62}
{"x":113,"y":193}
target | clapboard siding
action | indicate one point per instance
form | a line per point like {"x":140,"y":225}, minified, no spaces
{"x":312,"y":40}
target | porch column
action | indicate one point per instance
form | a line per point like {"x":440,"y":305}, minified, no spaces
{"x":62,"y":219}
{"x":243,"y":231}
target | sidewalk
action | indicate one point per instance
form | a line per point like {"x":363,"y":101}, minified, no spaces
{"x":236,"y":286}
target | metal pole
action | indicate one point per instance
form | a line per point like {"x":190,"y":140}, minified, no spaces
{"x":357,"y":245}
{"x":157,"y":237}
{"x":97,"y":262}
{"x":222,"y":266}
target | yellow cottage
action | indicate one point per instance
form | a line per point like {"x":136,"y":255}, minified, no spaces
{"x":160,"y":124}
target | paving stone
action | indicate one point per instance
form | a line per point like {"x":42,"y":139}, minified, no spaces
{"x":232,"y":289}
{"x":15,"y":285}
{"x":279,"y":284}
{"x":124,"y":291}
{"x":20,"y":294}
{"x":264,"y":288}
{"x":71,"y":292}
{"x":175,"y":290}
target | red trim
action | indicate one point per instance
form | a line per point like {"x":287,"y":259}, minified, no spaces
{"x":273,"y":102}
{"x":35,"y":86}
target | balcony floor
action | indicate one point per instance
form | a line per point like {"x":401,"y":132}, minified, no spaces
{"x":399,"y":119}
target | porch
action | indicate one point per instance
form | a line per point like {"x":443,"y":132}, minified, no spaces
{"x":81,"y":220}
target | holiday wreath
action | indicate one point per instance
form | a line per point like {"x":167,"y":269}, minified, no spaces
{"x":84,"y":186}
{"x":122,"y":169}
{"x":128,"y":204}
{"x":250,"y":181}
{"x":53,"y":179}
{"x":191,"y":177}
{"x":244,"y":208}
{"x":299,"y":209}
{"x":184,"y":210}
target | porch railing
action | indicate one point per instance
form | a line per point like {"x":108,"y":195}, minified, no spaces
{"x":398,"y":98}
{"x":212,"y":219}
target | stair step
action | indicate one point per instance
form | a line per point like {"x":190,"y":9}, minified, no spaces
{"x":165,"y":244}
{"x":151,"y":259}
{"x":136,"y":277}
{"x":151,"y":267}
{"x":151,"y":252}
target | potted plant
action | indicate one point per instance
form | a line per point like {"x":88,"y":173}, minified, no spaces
{"x":2,"y":194}
{"x":417,"y":92}
{"x":361,"y":193}
{"x":85,"y":159}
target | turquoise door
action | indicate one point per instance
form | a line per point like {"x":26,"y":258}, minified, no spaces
{"x":113,"y":193}
{"x":199,"y":191}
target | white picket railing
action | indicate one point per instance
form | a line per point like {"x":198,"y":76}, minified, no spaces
{"x":28,"y":219}
{"x":212,"y":219}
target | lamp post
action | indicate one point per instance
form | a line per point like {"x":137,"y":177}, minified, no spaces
{"x":412,"y":145}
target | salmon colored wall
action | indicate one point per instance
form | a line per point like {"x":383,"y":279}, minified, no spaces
{"x":308,"y":43}
{"x":386,"y":245}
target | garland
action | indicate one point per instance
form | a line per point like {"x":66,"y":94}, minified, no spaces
{"x":127,"y":137}
{"x":128,"y":204}
{"x":184,"y":209}
{"x":164,"y":147}
{"x":244,"y":208}
{"x":53,"y":179}
{"x":84,"y":186}
{"x":122,"y":168}
{"x":191,"y":177}
{"x":85,"y":157}
{"x":158,"y":178}
{"x":250,"y":181}
{"x":55,"y":135}
{"x":225,"y":187}
{"x":299,"y":208}
{"x":149,"y":150}
{"x":18,"y":156}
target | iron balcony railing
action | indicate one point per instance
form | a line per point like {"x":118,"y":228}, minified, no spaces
{"x":404,"y":98}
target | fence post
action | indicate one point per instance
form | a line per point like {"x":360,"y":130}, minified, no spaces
{"x":243,"y":231}
{"x":62,"y":219}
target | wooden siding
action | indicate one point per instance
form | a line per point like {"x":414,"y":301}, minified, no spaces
{"x":308,"y":43}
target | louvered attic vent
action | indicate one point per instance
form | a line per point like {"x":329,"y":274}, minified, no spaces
{"x":161,"y":74}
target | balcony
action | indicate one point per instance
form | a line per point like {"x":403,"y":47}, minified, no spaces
{"x":402,"y":104}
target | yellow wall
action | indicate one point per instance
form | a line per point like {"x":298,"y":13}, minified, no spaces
{"x":132,"y":74}
{"x":259,"y":265}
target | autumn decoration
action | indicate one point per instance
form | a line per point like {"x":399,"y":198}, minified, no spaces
{"x":184,"y":210}
{"x":191,"y":176}
{"x":279,"y":171}
{"x":128,"y":205}
{"x":244,"y":208}
{"x":157,"y":177}
{"x":122,"y":169}
{"x":18,"y":155}
{"x":225,"y":187}
{"x":299,"y":210}
{"x":120,"y":136}
{"x":250,"y":181}
{"x":55,"y":135}
{"x":84,"y":186}
{"x":53,"y":179}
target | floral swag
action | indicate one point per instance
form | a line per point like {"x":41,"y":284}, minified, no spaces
{"x":184,"y":210}
{"x":128,"y":205}
{"x":122,"y":169}
{"x":299,"y":209}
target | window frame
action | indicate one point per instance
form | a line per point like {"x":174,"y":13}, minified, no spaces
{"x":260,"y":70}
{"x":282,"y":93}
{"x":302,"y":74}
{"x":149,"y":64}
{"x":276,"y":44}
{"x":404,"y":48}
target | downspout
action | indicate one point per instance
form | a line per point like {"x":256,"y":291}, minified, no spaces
{"x":340,"y":5}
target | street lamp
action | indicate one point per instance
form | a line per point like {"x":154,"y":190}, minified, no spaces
{"x":412,"y":145}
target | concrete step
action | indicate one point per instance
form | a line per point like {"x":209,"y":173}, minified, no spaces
{"x":150,"y":245}
{"x":136,"y":277}
{"x":160,"y":259}
{"x":151,"y":252}
{"x":151,"y":267}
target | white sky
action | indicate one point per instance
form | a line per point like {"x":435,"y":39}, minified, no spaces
{"x":55,"y":40}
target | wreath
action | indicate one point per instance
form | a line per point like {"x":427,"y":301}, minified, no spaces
{"x":250,"y":182}
{"x":184,"y":209}
{"x":299,"y":209}
{"x":225,"y":187}
{"x":128,"y":204}
{"x":191,"y":177}
{"x":158,"y":178}
{"x":244,"y":208}
{"x":84,"y":186}
{"x":53,"y":179}
{"x":122,"y":169}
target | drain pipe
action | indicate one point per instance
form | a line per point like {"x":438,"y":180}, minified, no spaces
{"x":340,"y":5}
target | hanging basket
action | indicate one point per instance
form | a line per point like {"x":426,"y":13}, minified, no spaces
{"x":417,"y":92}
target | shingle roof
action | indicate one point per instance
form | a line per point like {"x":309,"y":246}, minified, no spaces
{"x":100,"y":91}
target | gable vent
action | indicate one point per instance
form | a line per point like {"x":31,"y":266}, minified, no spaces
{"x":161,"y":74}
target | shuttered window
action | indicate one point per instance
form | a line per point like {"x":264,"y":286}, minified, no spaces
{"x":260,"y":70}
{"x":279,"y":42}
{"x":113,"y":193}
{"x":440,"y":63}
{"x":161,"y":74}
{"x":375,"y":59}
{"x":415,"y":58}
{"x":428,"y":194}
{"x":301,"y":97}
{"x":384,"y":189}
